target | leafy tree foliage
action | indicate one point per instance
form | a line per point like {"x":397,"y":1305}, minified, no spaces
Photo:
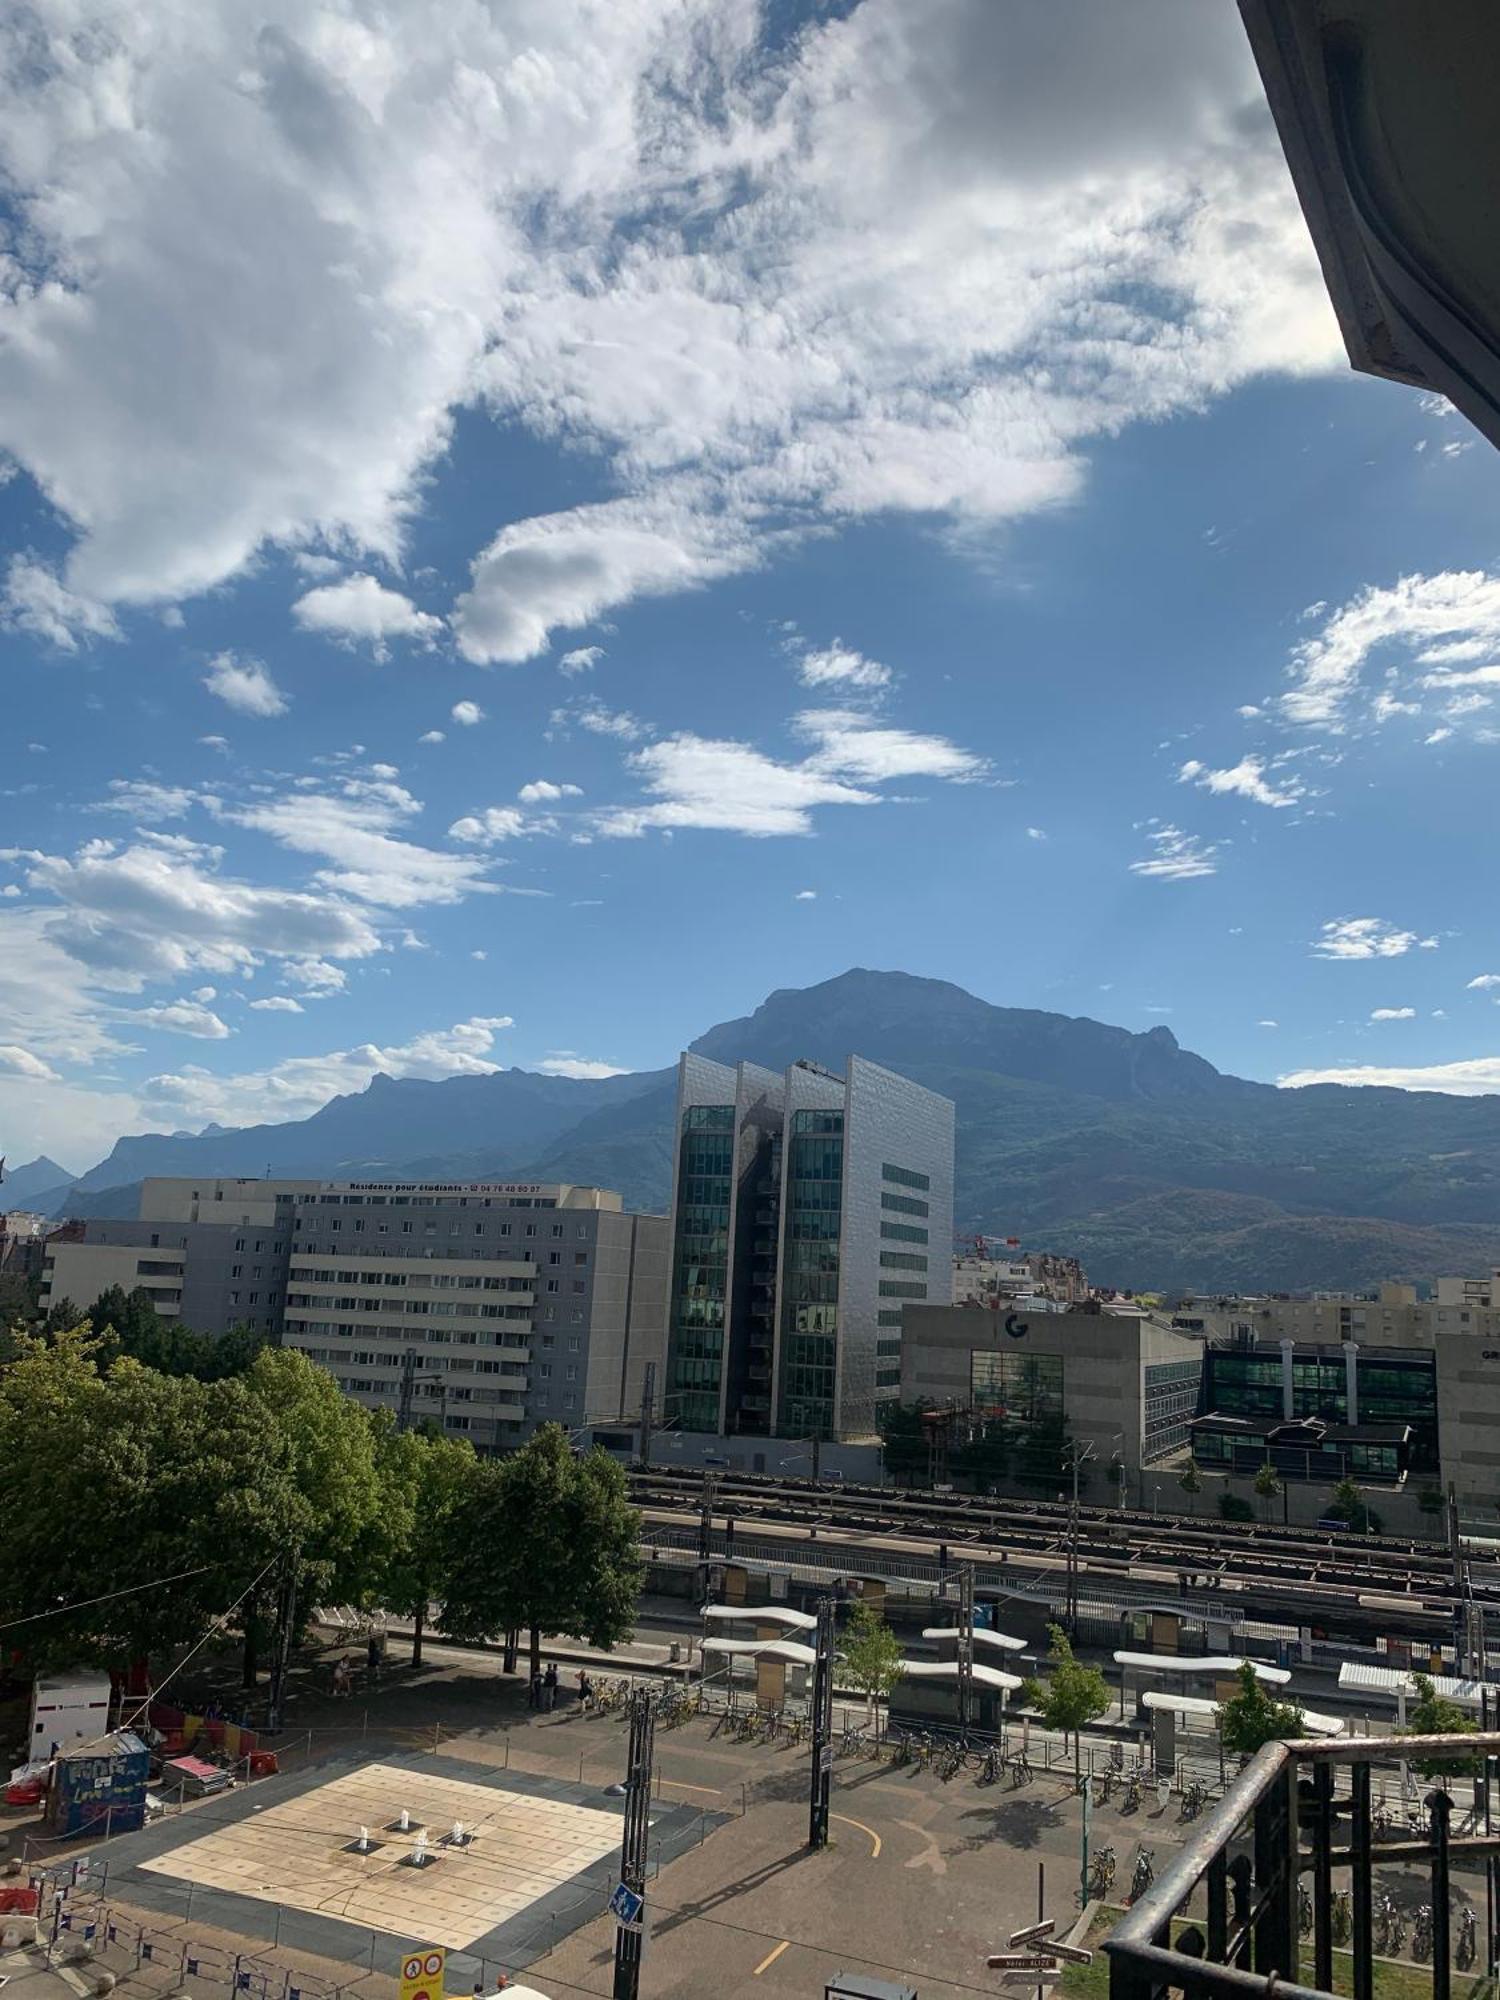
{"x":870,"y":1656}
{"x":1190,"y":1479}
{"x":1433,"y":1714}
{"x":1253,"y":1717}
{"x":544,"y":1541}
{"x":427,"y":1474}
{"x":128,"y":1323}
{"x":1233,"y":1508}
{"x":1072,"y":1694}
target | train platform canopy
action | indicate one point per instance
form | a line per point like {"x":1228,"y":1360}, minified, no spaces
{"x":947,"y":1670}
{"x":790,"y":1651}
{"x":764,"y":1614}
{"x":983,"y":1636}
{"x":1394,"y":1681}
{"x":1208,"y":1663}
{"x":1197,"y":1704}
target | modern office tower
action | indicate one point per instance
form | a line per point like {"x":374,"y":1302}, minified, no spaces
{"x":490,"y":1307}
{"x":806,"y":1209}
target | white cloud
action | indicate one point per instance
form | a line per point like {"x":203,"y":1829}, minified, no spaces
{"x":203,"y":994}
{"x":542,"y":791}
{"x":1177,"y":856}
{"x":361,"y":608}
{"x":563,"y":1062}
{"x":839,"y":665}
{"x":318,"y":979}
{"x":851,"y":744}
{"x":1247,"y":780}
{"x":1268,"y":1024}
{"x":480,"y":955}
{"x":730,"y":787}
{"x":37,"y":601}
{"x":466,"y":713}
{"x":18,"y":1062}
{"x":805,"y":896}
{"x":146,"y":801}
{"x":1393,"y":1014}
{"x":1483,"y":982}
{"x":1429,"y":622}
{"x":432,"y":736}
{"x":354,"y":828}
{"x":276,"y":1003}
{"x":1035,"y":833}
{"x":214,"y":742}
{"x":183,"y":1017}
{"x":294,"y":1088}
{"x":592,"y":715}
{"x":900,"y":258}
{"x":244,"y":685}
{"x":1365,"y":937}
{"x":495,"y":823}
{"x":581,"y":660}
{"x":1476,"y":1077}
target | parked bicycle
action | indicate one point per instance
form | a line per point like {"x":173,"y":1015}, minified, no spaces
{"x":1342,"y":1919}
{"x":1421,"y":1931}
{"x":1304,"y":1909}
{"x":1144,"y":1876}
{"x":1132,"y":1793}
{"x":1468,"y":1941}
{"x":1102,"y":1875}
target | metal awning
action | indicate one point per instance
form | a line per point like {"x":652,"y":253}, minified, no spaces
{"x":947,"y":1670}
{"x":1397,"y":1680}
{"x":791,"y":1651}
{"x":1197,"y":1704}
{"x":1207,"y":1663}
{"x":983,"y":1636}
{"x":763,"y":1614}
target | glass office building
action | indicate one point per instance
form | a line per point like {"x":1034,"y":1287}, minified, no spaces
{"x":807,"y":1208}
{"x":1343,"y":1384}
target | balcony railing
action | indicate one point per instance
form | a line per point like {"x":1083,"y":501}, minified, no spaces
{"x":1304,"y":1809}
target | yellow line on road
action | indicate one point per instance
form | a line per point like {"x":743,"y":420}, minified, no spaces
{"x":770,"y":1958}
{"x":874,"y":1836}
{"x":676,"y":1785}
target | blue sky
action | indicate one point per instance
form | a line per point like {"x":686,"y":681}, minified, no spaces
{"x":527,"y":529}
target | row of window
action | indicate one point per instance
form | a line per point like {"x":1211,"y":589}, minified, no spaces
{"x":904,"y":1177}
{"x":903,"y":1232}
{"x":894,"y":1288}
{"x":399,"y":1280}
{"x":902,"y":1260}
{"x":903,"y":1204}
{"x":421,"y":1201}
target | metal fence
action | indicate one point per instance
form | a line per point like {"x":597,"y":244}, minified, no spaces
{"x":1307,"y":1809}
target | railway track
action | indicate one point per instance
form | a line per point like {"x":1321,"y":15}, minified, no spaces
{"x":1293,"y":1572}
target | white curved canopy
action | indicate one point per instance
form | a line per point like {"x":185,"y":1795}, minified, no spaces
{"x":763,"y":1614}
{"x":1197,"y":1704}
{"x":1208,"y":1663}
{"x":983,"y":1636}
{"x":947,"y":1670}
{"x":790,"y":1650}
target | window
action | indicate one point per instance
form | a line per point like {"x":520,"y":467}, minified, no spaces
{"x":904,"y":1177}
{"x":554,"y":1284}
{"x":239,"y":1242}
{"x":580,"y":1257}
{"x":236,"y":1270}
{"x":891,"y":1288}
{"x":554,"y":1256}
{"x":580,"y":1285}
{"x":902,"y":1260}
{"x":903,"y":1204}
{"x":557,"y":1229}
{"x":531,"y":1229}
{"x":903,"y":1232}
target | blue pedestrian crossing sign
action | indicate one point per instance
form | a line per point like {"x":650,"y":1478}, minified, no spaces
{"x":628,"y":1907}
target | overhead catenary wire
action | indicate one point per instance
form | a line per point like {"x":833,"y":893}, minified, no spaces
{"x":107,"y":1597}
{"x":222,"y":1619}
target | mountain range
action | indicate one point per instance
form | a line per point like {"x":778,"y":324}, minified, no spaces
{"x":1123,"y":1149}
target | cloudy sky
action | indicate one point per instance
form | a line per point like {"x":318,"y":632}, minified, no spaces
{"x":528,"y":525}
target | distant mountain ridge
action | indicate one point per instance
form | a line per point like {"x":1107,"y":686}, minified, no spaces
{"x":1122,"y":1148}
{"x":38,"y":1184}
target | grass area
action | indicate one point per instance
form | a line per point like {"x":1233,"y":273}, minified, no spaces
{"x":1393,"y":1981}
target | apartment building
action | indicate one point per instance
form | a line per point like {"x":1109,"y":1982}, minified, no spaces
{"x":499,"y":1305}
{"x":212,"y":1253}
{"x":807,"y":1207}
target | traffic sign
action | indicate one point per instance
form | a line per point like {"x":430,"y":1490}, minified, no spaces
{"x":423,"y":1973}
{"x":1032,"y":1932}
{"x":1019,"y":1961}
{"x":825,"y":1757}
{"x":1073,"y":1953}
{"x":628,"y":1908}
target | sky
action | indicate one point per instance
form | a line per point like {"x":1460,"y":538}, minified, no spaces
{"x":526,"y":527}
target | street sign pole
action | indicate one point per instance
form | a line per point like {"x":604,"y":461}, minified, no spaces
{"x":822,"y":1727}
{"x":630,"y":1931}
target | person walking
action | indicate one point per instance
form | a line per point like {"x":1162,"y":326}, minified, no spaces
{"x":372,"y":1658}
{"x":585,"y":1689}
{"x":549,"y":1686}
{"x":534,"y":1692}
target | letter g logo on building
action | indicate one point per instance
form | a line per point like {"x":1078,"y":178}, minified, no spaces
{"x":1016,"y":1328}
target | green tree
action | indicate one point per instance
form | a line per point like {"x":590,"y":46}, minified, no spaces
{"x":1267,"y":1485}
{"x":1071,"y":1695}
{"x":546,"y":1541}
{"x":1433,"y":1714}
{"x":425,"y":1477}
{"x":1253,"y":1717}
{"x":870,"y":1656}
{"x":1190,"y":1479}
{"x":1233,"y":1508}
{"x":1348,"y":1504}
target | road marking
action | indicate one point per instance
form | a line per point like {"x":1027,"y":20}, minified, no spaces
{"x":770,"y":1958}
{"x":931,"y":1855}
{"x":677,"y":1785}
{"x":874,"y":1836}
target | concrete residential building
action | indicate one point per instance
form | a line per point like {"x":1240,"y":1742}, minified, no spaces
{"x":807,"y":1208}
{"x":1120,"y":1382}
{"x":506,"y":1304}
{"x":212,"y":1253}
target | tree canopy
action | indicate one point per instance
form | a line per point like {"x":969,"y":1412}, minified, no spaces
{"x":1072,"y":1693}
{"x":1433,"y":1714}
{"x":870,"y":1657}
{"x":1253,"y":1716}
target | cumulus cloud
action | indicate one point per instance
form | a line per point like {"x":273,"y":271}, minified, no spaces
{"x":36,"y":600}
{"x":1247,"y":780}
{"x":183,"y":1017}
{"x":598,"y":720}
{"x":542,"y":791}
{"x":1476,"y":1077}
{"x":849,"y":743}
{"x":1365,"y":937}
{"x":839,"y":665}
{"x":495,"y":823}
{"x":18,"y":1062}
{"x":466,"y":713}
{"x":432,"y":736}
{"x":353,"y":827}
{"x":1176,"y":856}
{"x":805,"y":896}
{"x":563,"y":1062}
{"x":697,"y":781}
{"x":1268,"y":1024}
{"x":1433,"y":633}
{"x":899,"y":259}
{"x":360,"y":608}
{"x":276,"y":1003}
{"x":146,"y":801}
{"x":244,"y":685}
{"x":580,"y":660}
{"x":1483,"y":982}
{"x":1393,"y":1014}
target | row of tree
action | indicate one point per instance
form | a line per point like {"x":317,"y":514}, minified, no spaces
{"x":143,"y":1508}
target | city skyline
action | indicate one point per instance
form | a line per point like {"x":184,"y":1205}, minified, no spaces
{"x":839,"y":497}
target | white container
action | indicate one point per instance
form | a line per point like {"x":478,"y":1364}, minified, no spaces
{"x":67,"y":1709}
